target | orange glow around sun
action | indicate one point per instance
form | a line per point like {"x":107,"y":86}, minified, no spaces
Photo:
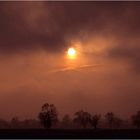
{"x":71,"y":53}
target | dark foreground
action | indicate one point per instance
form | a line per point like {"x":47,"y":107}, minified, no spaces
{"x":73,"y":133}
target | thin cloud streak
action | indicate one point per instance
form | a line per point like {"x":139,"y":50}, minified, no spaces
{"x":75,"y":68}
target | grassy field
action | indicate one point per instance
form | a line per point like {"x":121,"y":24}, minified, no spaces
{"x":70,"y":133}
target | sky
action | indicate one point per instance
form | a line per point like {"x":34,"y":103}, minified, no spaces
{"x":35,"y":69}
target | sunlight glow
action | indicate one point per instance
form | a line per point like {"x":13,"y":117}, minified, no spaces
{"x":71,"y":53}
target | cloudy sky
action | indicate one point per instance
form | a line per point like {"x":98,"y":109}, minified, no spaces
{"x":34,"y":67}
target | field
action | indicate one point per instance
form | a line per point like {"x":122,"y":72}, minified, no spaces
{"x":70,"y":133}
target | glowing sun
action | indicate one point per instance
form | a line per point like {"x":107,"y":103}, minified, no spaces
{"x":71,"y":53}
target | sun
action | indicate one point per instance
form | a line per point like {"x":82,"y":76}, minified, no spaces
{"x":71,"y":53}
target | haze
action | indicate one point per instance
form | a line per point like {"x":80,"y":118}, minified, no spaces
{"x":34,"y":69}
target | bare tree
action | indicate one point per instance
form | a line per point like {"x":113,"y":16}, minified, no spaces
{"x":117,"y":122}
{"x":48,"y":115}
{"x":82,"y":118}
{"x":94,"y":120}
{"x":110,"y":118}
{"x":66,"y":121}
{"x":15,"y":122}
{"x":136,"y":119}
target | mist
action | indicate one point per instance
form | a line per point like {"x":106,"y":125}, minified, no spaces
{"x":34,"y":69}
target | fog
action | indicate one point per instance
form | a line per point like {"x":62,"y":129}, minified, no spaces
{"x":34,"y":67}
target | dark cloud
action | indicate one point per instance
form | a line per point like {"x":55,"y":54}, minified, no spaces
{"x":127,"y":54}
{"x":52,"y":25}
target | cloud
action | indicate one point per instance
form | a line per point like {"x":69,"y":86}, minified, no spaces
{"x":30,"y":26}
{"x":87,"y":66}
{"x":127,"y":54}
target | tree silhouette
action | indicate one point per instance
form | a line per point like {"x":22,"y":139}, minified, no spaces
{"x":94,"y":120}
{"x":66,"y":121}
{"x":136,"y":119}
{"x":110,"y":118}
{"x":15,"y":122}
{"x":117,"y":122}
{"x":82,"y":118}
{"x":48,"y":115}
{"x":113,"y":120}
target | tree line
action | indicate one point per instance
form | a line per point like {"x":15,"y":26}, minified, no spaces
{"x":49,"y":117}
